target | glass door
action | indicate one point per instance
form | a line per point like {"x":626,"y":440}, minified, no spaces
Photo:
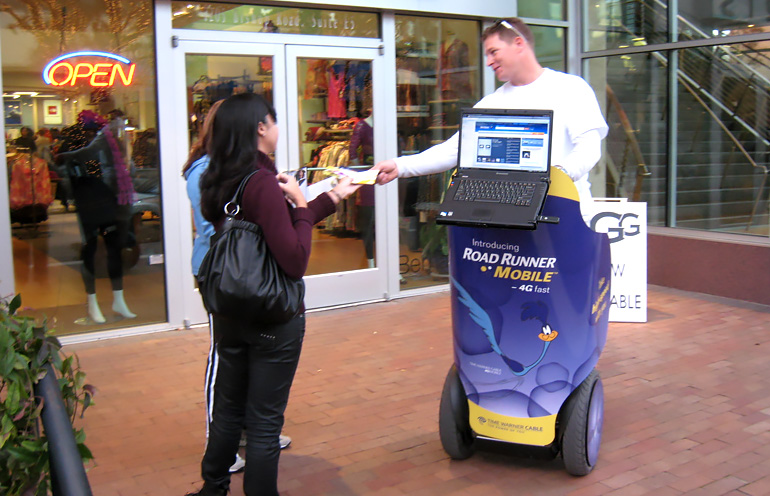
{"x":213,"y":71}
{"x":327,"y":110}
{"x":332,"y":116}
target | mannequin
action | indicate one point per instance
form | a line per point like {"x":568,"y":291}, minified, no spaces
{"x":103,"y":195}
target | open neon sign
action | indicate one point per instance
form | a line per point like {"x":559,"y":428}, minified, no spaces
{"x":60,"y":71}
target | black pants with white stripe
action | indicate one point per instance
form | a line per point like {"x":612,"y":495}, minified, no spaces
{"x":247,"y":385}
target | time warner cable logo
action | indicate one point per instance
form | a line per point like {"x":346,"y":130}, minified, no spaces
{"x":618,"y":226}
{"x":482,"y":420}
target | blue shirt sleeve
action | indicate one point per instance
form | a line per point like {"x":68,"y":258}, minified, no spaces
{"x":203,"y":228}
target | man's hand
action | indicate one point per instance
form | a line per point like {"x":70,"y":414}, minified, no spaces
{"x":388,"y":171}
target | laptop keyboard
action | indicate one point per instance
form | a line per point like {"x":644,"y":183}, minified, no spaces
{"x":490,"y":191}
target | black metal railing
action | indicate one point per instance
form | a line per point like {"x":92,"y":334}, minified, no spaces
{"x":68,"y":475}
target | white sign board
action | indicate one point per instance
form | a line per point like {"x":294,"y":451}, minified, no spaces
{"x":52,"y":112}
{"x":626,"y":225}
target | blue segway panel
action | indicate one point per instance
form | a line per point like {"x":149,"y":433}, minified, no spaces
{"x":530,"y":311}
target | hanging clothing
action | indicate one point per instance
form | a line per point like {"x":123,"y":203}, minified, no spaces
{"x":455,"y":75}
{"x":407,"y":82}
{"x":336,"y":104}
{"x":30,"y":182}
{"x":316,"y":82}
{"x":362,"y":152}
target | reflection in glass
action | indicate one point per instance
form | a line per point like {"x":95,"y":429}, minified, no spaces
{"x":550,"y":47}
{"x":336,"y":129}
{"x":700,"y":20}
{"x":723,"y":136}
{"x":438,"y":72}
{"x":541,"y":9}
{"x":612,"y":24}
{"x":634,"y":156}
{"x":72,"y":255}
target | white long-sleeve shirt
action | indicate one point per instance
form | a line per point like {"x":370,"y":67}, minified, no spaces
{"x":578,"y":126}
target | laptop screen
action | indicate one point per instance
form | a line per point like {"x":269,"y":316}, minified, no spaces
{"x":505,"y":141}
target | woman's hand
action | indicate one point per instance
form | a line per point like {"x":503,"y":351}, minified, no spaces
{"x":343,"y":189}
{"x":291,"y":190}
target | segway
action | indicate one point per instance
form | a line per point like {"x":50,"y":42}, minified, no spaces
{"x":530,"y":311}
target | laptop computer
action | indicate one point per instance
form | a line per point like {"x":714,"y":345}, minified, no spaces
{"x":504,"y":167}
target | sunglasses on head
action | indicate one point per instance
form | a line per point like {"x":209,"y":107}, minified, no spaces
{"x":508,"y":25}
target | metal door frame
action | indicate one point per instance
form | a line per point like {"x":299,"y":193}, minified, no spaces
{"x":184,"y":302}
{"x":340,"y":288}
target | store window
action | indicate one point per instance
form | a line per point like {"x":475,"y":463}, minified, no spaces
{"x":612,"y":24}
{"x":721,"y":18}
{"x":82,"y":155}
{"x":698,"y":156}
{"x":634,"y":154}
{"x":438,"y":72}
{"x":272,"y":19}
{"x":336,"y":129}
{"x":550,"y":47}
{"x":210,"y":78}
{"x":542,"y":9}
{"x":723,"y":141}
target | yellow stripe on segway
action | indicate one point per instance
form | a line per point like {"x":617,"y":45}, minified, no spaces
{"x":562,"y":185}
{"x":536,"y":431}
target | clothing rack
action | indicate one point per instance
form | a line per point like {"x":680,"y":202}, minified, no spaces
{"x":246,"y":79}
{"x":33,"y":207}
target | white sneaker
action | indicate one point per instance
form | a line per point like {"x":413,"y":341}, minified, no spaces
{"x":284,"y":441}
{"x":238,"y":465}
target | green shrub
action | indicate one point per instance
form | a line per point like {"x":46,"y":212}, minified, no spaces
{"x":25,"y":348}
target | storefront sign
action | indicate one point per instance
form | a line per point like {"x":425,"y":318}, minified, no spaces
{"x":62,"y":71}
{"x":271,"y":19}
{"x":626,"y":226}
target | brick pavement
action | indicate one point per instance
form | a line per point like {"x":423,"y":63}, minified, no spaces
{"x":687,"y":408}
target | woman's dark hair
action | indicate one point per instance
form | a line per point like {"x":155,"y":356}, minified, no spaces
{"x":233,"y":150}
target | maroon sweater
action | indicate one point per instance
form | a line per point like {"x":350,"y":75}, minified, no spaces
{"x":287,"y":230}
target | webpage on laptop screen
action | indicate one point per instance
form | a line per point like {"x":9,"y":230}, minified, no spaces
{"x":518,"y":143}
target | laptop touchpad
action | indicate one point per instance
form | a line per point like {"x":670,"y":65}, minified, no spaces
{"x":481,"y":214}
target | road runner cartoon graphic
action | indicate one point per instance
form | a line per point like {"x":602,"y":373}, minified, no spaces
{"x":531,"y":310}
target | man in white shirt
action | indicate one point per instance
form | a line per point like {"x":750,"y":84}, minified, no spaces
{"x":578,"y":122}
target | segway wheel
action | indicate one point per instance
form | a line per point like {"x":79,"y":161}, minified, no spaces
{"x":453,"y":423}
{"x":584,"y":417}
